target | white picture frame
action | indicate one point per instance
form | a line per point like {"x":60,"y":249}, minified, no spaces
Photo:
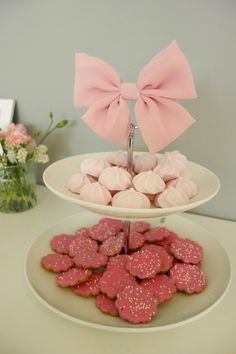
{"x":7,"y":107}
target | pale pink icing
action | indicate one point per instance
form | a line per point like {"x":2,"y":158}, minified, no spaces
{"x":131,"y":199}
{"x":118,"y":158}
{"x":77,"y":181}
{"x":94,"y":166}
{"x":171,"y":197}
{"x":115,"y":179}
{"x":148,"y":182}
{"x":184,"y":184}
{"x":95,"y":193}
{"x":171,"y":165}
{"x":145,"y":162}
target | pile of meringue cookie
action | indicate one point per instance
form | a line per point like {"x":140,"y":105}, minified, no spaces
{"x":159,"y":181}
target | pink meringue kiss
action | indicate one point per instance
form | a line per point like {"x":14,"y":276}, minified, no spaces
{"x":118,"y":158}
{"x":148,"y":182}
{"x":77,"y":181}
{"x":145,"y":162}
{"x":184,"y":184}
{"x":115,"y":179}
{"x":131,"y":199}
{"x":171,"y":165}
{"x":95,"y":193}
{"x":93,"y":166}
{"x":171,"y":197}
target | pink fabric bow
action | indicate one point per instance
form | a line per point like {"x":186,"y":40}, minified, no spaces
{"x":166,"y":79}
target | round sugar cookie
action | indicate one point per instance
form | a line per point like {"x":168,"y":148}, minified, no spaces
{"x":90,"y":287}
{"x":114,"y":280}
{"x":144,"y":263}
{"x":101,"y":231}
{"x":82,"y":242}
{"x":106,"y":305}
{"x":60,"y":243}
{"x":118,"y":261}
{"x":72,"y":277}
{"x":161,"y":286}
{"x":57,"y":262}
{"x":136,"y":304}
{"x":136,"y":240}
{"x":186,"y":250}
{"x":113,"y":245}
{"x":188,"y":278}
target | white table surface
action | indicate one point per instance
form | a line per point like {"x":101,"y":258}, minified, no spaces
{"x":27,"y":327}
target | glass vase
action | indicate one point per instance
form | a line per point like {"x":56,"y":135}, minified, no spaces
{"x":17,"y":188}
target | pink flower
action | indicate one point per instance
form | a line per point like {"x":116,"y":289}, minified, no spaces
{"x":17,"y":138}
{"x":2,"y":134}
{"x":12,"y":128}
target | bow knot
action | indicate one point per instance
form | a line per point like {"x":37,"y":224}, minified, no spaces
{"x":129,"y":91}
{"x":165,"y":80}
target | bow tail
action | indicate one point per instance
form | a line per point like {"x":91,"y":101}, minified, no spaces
{"x":161,"y":121}
{"x":109,"y":118}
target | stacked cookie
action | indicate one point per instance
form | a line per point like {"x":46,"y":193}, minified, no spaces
{"x":163,"y":181}
{"x":159,"y":262}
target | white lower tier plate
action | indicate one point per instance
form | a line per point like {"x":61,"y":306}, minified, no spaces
{"x":182,"y":309}
{"x":56,"y":177}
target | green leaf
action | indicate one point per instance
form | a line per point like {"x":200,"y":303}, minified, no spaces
{"x":62,"y":123}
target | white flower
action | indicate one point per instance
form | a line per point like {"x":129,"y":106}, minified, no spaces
{"x":11,"y":155}
{"x":42,"y":149}
{"x":40,"y":154}
{"x":21,"y":155}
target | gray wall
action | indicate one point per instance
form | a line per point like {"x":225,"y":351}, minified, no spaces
{"x":38,"y":40}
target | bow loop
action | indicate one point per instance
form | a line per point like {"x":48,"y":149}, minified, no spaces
{"x":166,"y":79}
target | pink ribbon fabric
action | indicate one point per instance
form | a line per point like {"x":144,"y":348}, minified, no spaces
{"x":165,"y":80}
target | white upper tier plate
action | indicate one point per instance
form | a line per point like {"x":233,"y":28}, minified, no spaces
{"x":57,"y":175}
{"x":182,"y":309}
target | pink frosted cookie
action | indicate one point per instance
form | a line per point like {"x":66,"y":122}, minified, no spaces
{"x":161,"y":286}
{"x":60,"y":243}
{"x":118,"y":261}
{"x":139,"y":226}
{"x":167,"y":240}
{"x":57,"y":262}
{"x":72,"y":277}
{"x":187,"y":250}
{"x":156,"y":234}
{"x":144,"y":263}
{"x":86,"y":259}
{"x":106,"y":305}
{"x":136,"y":240}
{"x":101,"y":231}
{"x":114,"y":280}
{"x":82,"y":231}
{"x":136,"y":304}
{"x":188,"y":278}
{"x":166,"y":259}
{"x":82,"y":243}
{"x":113,"y":223}
{"x":113,"y":245}
{"x":90,"y":287}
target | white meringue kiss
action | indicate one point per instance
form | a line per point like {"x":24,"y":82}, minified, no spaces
{"x":148,"y":182}
{"x":118,"y":158}
{"x":94,"y":166}
{"x":131,"y":199}
{"x":115,"y":179}
{"x":184,"y":184}
{"x":95,"y":193}
{"x":171,"y":197}
{"x":144,"y":162}
{"x":77,"y":181}
{"x":171,"y":165}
